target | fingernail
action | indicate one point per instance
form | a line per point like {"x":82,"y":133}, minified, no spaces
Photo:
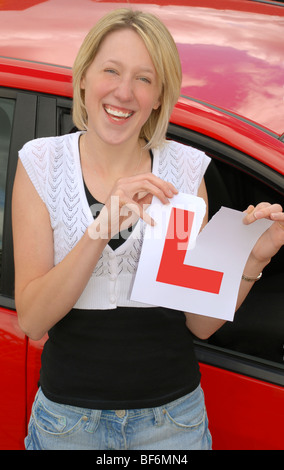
{"x":249,"y":209}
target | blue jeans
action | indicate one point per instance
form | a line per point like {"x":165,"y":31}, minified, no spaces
{"x":181,"y":424}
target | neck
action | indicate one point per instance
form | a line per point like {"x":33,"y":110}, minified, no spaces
{"x":112,"y":160}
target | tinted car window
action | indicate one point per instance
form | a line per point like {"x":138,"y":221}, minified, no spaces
{"x":7,"y":106}
{"x":234,"y":180}
{"x":65,"y":122}
{"x":258,"y":326}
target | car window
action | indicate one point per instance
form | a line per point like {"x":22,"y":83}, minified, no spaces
{"x":258,"y":325}
{"x":65,"y":122}
{"x":7,"y":106}
{"x":235,"y":180}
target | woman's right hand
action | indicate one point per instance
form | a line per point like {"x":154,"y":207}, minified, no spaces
{"x":128,"y":201}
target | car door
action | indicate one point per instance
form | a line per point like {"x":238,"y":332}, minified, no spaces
{"x":23,"y":116}
{"x":12,"y":340}
{"x":242,"y":364}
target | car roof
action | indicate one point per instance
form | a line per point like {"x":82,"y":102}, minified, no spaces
{"x":231,"y":51}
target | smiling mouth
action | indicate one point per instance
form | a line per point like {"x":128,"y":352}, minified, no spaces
{"x":118,"y":114}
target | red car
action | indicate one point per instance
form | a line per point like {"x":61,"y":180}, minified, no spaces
{"x":231,"y":107}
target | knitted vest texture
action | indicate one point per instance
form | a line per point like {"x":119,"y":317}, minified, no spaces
{"x":53,"y":165}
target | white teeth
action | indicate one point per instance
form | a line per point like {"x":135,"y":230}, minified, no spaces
{"x":116,"y":113}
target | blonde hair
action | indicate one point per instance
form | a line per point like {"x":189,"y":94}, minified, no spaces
{"x":164,"y":55}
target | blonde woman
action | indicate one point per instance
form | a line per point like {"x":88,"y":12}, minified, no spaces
{"x":116,"y":374}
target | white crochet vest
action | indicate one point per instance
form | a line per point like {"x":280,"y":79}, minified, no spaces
{"x":53,"y":165}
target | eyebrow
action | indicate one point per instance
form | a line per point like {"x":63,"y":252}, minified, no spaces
{"x":143,"y":69}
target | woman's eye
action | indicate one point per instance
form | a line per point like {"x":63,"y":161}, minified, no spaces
{"x":145,"y":79}
{"x":112,"y":71}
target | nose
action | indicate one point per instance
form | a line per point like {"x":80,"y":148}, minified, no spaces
{"x":124,"y":90}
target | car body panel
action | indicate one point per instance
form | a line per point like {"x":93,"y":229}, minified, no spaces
{"x":226,"y":59}
{"x":36,"y":76}
{"x":230,"y":128}
{"x":13,"y":350}
{"x":232,"y":131}
{"x":242,"y":411}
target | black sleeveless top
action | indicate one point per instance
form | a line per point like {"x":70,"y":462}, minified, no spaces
{"x":123,"y":358}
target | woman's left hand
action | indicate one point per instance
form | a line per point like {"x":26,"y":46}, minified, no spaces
{"x":272,"y":239}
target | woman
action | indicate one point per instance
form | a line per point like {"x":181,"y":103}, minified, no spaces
{"x":116,"y":374}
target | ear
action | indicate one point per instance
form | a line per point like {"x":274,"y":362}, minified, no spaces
{"x":157,"y":105}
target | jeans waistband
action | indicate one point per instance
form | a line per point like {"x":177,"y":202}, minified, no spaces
{"x":123,"y":414}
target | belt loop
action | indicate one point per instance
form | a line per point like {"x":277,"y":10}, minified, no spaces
{"x":159,"y":415}
{"x":94,"y":420}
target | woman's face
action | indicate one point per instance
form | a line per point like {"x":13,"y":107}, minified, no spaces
{"x":121,"y":88}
